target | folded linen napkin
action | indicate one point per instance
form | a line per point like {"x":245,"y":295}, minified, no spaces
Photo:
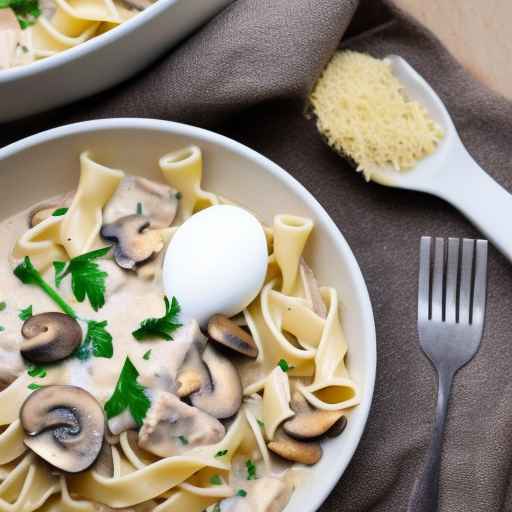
{"x":252,"y":67}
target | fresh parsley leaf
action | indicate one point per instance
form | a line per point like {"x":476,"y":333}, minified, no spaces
{"x":261,"y":424}
{"x":128,"y":394}
{"x":26,"y":11}
{"x":283,"y":364}
{"x":97,"y":342}
{"x":178,"y":195}
{"x":221,"y":453}
{"x":26,"y":313}
{"x":59,"y":212}
{"x":241,"y":492}
{"x":139,"y":208}
{"x":183,"y":439}
{"x":28,"y":274}
{"x":33,"y":385}
{"x":147,"y":355}
{"x":36,"y":371}
{"x":3,"y":305}
{"x":215,"y":480}
{"x":2,"y":328}
{"x":160,"y":327}
{"x":87,"y":279}
{"x":251,"y":469}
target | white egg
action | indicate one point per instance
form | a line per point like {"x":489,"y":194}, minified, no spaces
{"x":216,"y":263}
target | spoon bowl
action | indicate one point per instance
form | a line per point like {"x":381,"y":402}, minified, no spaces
{"x":450,"y":172}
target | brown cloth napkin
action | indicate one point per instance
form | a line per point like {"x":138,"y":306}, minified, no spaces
{"x":247,"y":74}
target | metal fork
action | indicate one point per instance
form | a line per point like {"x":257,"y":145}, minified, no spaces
{"x":451,"y":310}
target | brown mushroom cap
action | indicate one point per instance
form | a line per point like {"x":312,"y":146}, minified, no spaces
{"x":309,"y":422}
{"x":296,"y":451}
{"x":134,"y":242}
{"x":221,"y":397}
{"x":64,"y":425}
{"x":224,"y":331}
{"x":50,"y":337}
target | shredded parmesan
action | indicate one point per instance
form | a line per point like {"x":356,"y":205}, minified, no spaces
{"x":364,"y":113}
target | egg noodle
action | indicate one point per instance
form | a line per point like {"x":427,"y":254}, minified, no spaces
{"x":61,"y":25}
{"x":293,"y":322}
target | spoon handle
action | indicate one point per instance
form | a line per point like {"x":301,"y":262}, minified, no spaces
{"x":465,"y":185}
{"x":425,"y":494}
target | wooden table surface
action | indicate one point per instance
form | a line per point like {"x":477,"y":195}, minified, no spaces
{"x":477,"y":32}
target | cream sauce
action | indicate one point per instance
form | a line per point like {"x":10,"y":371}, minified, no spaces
{"x":129,"y":300}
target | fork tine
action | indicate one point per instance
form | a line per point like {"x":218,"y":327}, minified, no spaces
{"x":466,"y":275}
{"x":452,"y":269}
{"x":437,"y":281}
{"x":424,"y":279}
{"x":479,"y":293}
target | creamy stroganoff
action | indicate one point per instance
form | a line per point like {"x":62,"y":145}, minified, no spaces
{"x":31,"y":30}
{"x":111,"y":400}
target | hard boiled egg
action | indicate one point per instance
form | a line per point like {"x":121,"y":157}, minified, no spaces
{"x":216,"y":263}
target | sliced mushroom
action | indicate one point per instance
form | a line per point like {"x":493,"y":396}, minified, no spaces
{"x":309,"y":422}
{"x":296,"y":451}
{"x":338,"y":427}
{"x":50,"y":337}
{"x":172,"y":427}
{"x":221,"y":397}
{"x":192,"y":375}
{"x":134,"y":242}
{"x":222,"y":330}
{"x":64,"y":425}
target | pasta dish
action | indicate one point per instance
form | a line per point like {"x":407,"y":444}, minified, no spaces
{"x":116,"y":394}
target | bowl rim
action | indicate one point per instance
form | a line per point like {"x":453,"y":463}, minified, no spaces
{"x":87,"y":47}
{"x":331,"y":479}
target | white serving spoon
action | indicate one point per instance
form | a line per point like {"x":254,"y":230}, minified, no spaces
{"x":450,"y":172}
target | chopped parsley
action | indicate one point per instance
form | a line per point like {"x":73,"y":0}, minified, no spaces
{"x":241,"y":492}
{"x":283,"y":364}
{"x":59,"y":212}
{"x":87,"y":279}
{"x":261,"y":424}
{"x":216,"y":507}
{"x":147,"y":355}
{"x":139,"y":208}
{"x":251,"y":469}
{"x":26,"y":11}
{"x":215,"y":480}
{"x":178,"y":195}
{"x":2,"y":328}
{"x":26,"y":313}
{"x":183,"y":440}
{"x":33,"y":386}
{"x":128,"y":394}
{"x":160,"y":327}
{"x":36,"y":371}
{"x":98,"y":340}
{"x":221,"y":453}
{"x":24,"y":48}
{"x":3,"y":305}
{"x":28,"y":274}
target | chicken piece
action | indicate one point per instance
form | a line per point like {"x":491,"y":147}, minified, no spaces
{"x":172,"y":427}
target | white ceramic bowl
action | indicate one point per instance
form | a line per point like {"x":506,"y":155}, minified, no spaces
{"x":102,"y":61}
{"x":45,"y":164}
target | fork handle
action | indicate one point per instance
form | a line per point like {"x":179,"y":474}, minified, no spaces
{"x":425,"y":494}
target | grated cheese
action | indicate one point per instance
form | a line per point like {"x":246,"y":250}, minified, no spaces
{"x":363,"y":112}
